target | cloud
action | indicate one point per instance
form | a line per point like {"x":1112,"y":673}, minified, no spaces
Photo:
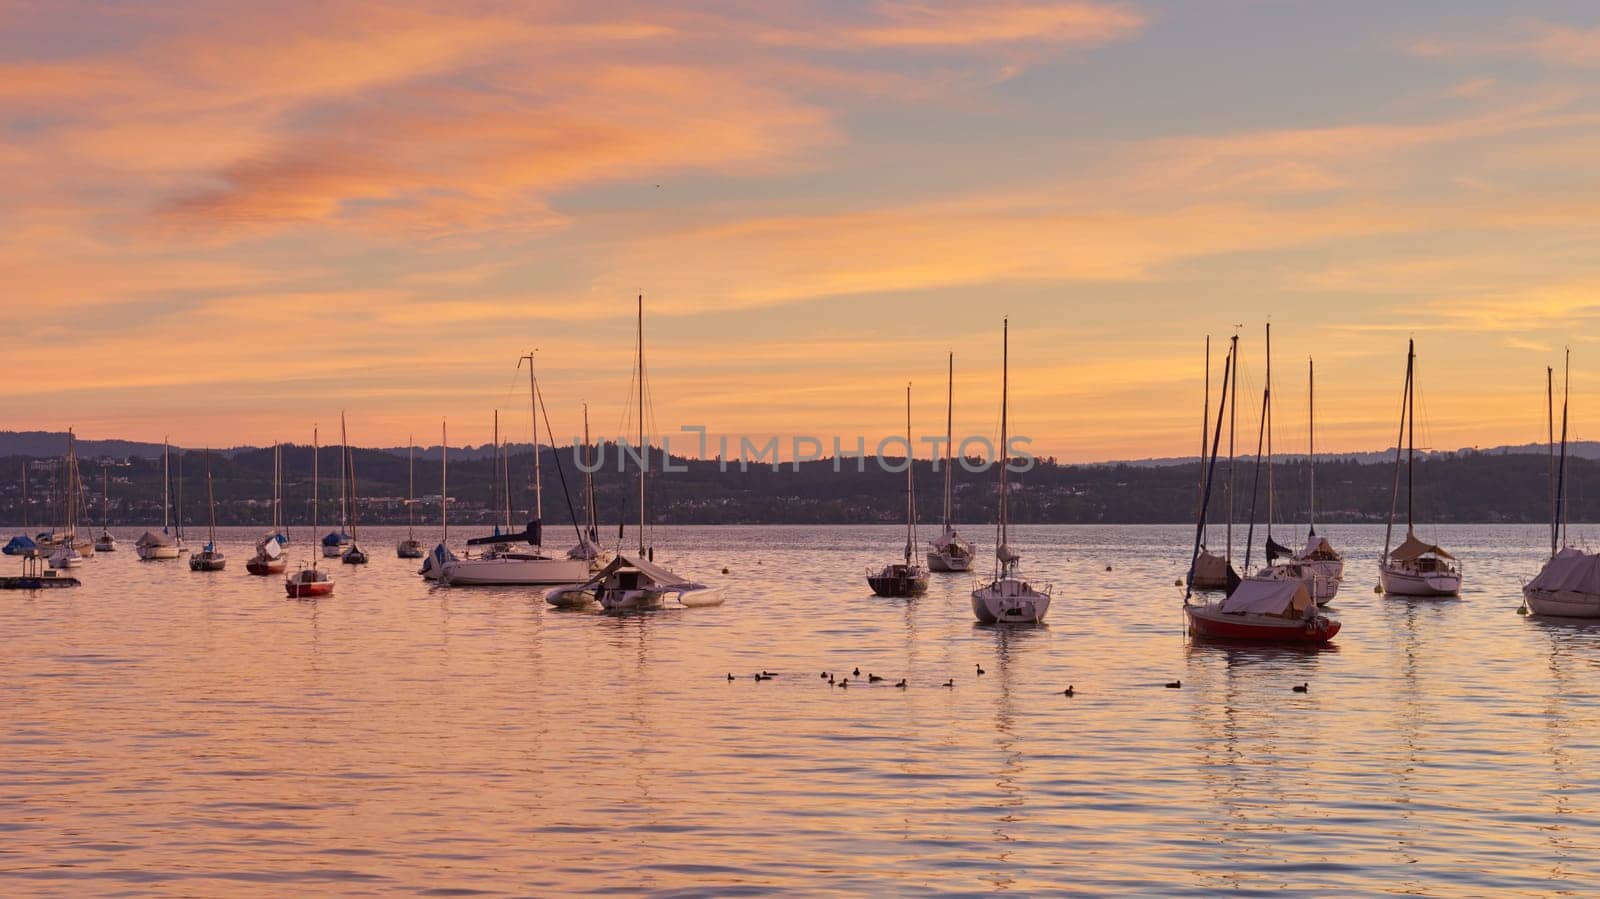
{"x":1554,"y":44}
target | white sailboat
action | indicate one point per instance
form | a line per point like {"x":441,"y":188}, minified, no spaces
{"x":334,"y":543}
{"x":634,"y":582}
{"x":589,"y":548}
{"x":904,"y":579}
{"x":269,"y":558}
{"x":1568,"y":586}
{"x":507,"y":568}
{"x":310,"y":581}
{"x":152,"y":546}
{"x":1415,"y":567}
{"x":66,"y":554}
{"x":1007,"y":598}
{"x":1322,"y":564}
{"x":950,"y":551}
{"x":209,"y":558}
{"x":105,"y":542}
{"x":353,"y":553}
{"x":433,"y":565}
{"x":411,"y":547}
{"x":1209,"y":571}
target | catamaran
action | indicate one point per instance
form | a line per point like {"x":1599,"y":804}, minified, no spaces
{"x":1271,"y":606}
{"x":1415,"y":567}
{"x":506,"y":568}
{"x":904,"y":578}
{"x":411,"y":547}
{"x":950,"y":552}
{"x":1007,"y":598}
{"x":634,"y":582}
{"x":310,"y":582}
{"x":209,"y":558}
{"x":1568,"y":586}
{"x":152,"y":546}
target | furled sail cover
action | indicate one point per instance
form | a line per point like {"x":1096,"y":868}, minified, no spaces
{"x":586,"y":549}
{"x":1284,"y":597}
{"x":1276,"y":550}
{"x":149,"y":538}
{"x":271,"y":549}
{"x":1571,"y":570}
{"x":334,"y":538}
{"x":1414,"y":549}
{"x":1210,"y":568}
{"x":1006,"y":554}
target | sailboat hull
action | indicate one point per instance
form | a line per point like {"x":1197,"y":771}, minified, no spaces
{"x":1401,"y":582}
{"x":264,"y":567}
{"x":1561,"y":603}
{"x":899,"y":581}
{"x":944,"y":562}
{"x":308,"y":590}
{"x":510,"y":571}
{"x":1009,"y":601}
{"x":1322,"y":578}
{"x":158,"y":553}
{"x":1205,"y":621}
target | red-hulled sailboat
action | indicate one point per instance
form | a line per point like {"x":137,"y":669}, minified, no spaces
{"x":311,"y":582}
{"x":1271,"y":606}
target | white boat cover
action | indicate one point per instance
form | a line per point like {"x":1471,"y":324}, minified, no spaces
{"x":150,"y":538}
{"x":269,"y":548}
{"x":1570,"y":570}
{"x":1284,"y":597}
{"x":1414,"y":549}
{"x":1318,"y":547}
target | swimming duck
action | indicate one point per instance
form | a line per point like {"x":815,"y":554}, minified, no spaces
{"x":1068,"y":691}
{"x":873,"y":678}
{"x":902,"y":684}
{"x":1302,"y":688}
{"x":1175,"y":685}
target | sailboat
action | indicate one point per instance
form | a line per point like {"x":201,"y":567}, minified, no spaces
{"x":334,"y":543}
{"x":310,"y":582}
{"x":105,"y":542}
{"x":269,"y":558}
{"x":65,"y":553}
{"x":950,"y":552}
{"x":209,"y":558}
{"x":1568,"y":586}
{"x":1271,"y":606}
{"x":634,"y":582}
{"x":503,"y":567}
{"x":1415,"y":567}
{"x":1280,"y":559}
{"x":411,"y":547}
{"x":433,"y":565}
{"x":83,"y":542}
{"x":1210,"y":571}
{"x":904,"y":578}
{"x":589,"y":548}
{"x":21,"y":544}
{"x":1007,"y":598}
{"x":353,"y":554}
{"x":1321,"y":564}
{"x":152,"y":546}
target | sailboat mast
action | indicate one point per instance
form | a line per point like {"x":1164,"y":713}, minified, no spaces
{"x":1267,"y":424}
{"x":644,"y":449}
{"x":911,"y":506}
{"x":344,"y":504}
{"x":1561,"y":488}
{"x":350,"y":465}
{"x":505,"y":479}
{"x":1000,"y":550}
{"x":1394,"y":494}
{"x":1550,"y":423}
{"x":166,"y":483}
{"x":1233,"y":424}
{"x":494,"y":478}
{"x":1205,"y":424}
{"x":105,"y":499}
{"x":538,"y":471}
{"x":72,"y":487}
{"x":1311,"y":430}
{"x":444,"y":482}
{"x":316,"y":484}
{"x":411,"y":487}
{"x":949,"y":436}
{"x":588,"y":481}
{"x":1411,"y":434}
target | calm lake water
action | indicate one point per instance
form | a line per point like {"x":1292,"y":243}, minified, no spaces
{"x":177,"y":733}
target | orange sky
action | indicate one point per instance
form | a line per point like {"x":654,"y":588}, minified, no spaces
{"x":226,"y":221}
